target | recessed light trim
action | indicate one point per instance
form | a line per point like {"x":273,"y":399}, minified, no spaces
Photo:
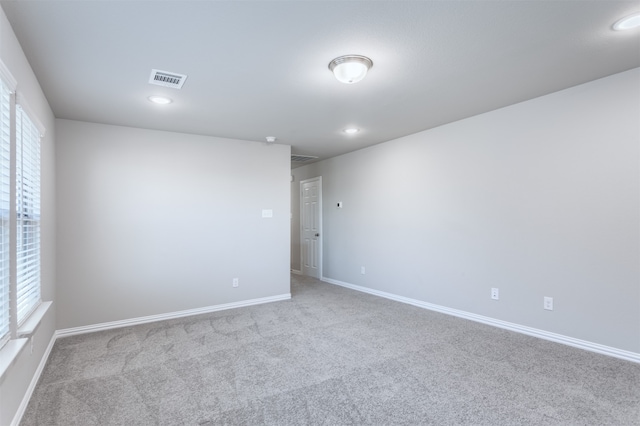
{"x":350,"y":69}
{"x":160,"y":100}
{"x":627,"y":23}
{"x":351,"y":131}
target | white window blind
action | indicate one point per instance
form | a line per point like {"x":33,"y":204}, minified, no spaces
{"x":28,"y":215}
{"x":5,"y":188}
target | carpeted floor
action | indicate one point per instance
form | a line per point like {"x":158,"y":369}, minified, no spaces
{"x":328,"y":356}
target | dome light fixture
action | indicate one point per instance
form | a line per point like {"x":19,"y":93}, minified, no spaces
{"x":350,"y":69}
{"x":351,"y":131}
{"x":160,"y":100}
{"x":627,"y":23}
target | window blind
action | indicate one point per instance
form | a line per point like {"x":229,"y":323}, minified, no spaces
{"x":28,"y":215}
{"x":5,"y":187}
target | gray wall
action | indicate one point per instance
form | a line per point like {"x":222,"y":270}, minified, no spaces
{"x":538,"y":199}
{"x":16,"y":380}
{"x":156,"y":222}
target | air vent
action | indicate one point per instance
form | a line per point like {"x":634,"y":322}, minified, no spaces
{"x":167,"y":79}
{"x":302,"y":158}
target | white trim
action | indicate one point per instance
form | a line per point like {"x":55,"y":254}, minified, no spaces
{"x":295,"y":271}
{"x":21,"y":102}
{"x":9,"y":352}
{"x":34,"y":381}
{"x":7,"y":77}
{"x":33,"y":320}
{"x":171,"y":315}
{"x":530,"y":331}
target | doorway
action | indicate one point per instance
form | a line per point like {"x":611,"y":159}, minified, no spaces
{"x":311,"y":227}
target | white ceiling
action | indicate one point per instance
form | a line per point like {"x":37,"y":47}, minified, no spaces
{"x":260,"y":68}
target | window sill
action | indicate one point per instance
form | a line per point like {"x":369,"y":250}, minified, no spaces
{"x":30,"y":325}
{"x":10,"y":351}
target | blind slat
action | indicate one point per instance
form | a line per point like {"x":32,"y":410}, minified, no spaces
{"x":28,"y":206}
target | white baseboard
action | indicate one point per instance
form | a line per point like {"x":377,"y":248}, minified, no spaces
{"x":546,"y":335}
{"x":295,"y":271}
{"x":171,"y":315}
{"x":34,"y":381}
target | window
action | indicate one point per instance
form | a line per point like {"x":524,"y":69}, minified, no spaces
{"x":5,"y":183}
{"x":19,"y":211}
{"x":27,"y":214}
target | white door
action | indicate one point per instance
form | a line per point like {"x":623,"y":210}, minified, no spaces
{"x":311,"y":226}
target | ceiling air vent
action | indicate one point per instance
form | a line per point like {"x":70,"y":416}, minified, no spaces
{"x":302,"y":158}
{"x":167,"y":79}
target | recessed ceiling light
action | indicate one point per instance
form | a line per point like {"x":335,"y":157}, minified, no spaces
{"x":631,"y":21}
{"x":350,"y":69}
{"x":351,"y":131}
{"x":271,"y":139}
{"x":160,"y":100}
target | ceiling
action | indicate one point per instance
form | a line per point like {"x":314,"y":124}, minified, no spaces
{"x":260,"y":68}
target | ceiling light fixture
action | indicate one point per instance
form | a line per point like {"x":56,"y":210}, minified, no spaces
{"x":351,"y":131}
{"x":631,"y":21}
{"x":271,"y":139}
{"x":160,"y":100}
{"x":350,"y":69}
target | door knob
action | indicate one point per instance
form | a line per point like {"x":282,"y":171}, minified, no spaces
{"x":317,"y":235}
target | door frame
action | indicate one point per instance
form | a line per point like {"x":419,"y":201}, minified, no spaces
{"x":320,"y":226}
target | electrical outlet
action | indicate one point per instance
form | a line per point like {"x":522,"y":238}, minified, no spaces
{"x":362,"y":270}
{"x":495,"y":294}
{"x":236,"y":282}
{"x":548,"y":303}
